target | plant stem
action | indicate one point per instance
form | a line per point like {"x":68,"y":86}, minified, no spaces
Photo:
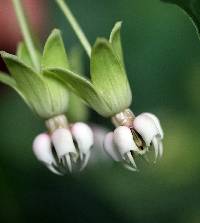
{"x":75,"y":26}
{"x":23,"y":23}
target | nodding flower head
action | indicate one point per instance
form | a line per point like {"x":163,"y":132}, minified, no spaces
{"x":134,"y":136}
{"x":64,"y":148}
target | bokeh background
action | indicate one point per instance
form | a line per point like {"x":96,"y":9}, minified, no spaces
{"x":162,"y":54}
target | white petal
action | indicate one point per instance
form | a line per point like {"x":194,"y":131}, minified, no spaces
{"x":110,"y":148}
{"x":63,"y":142}
{"x":83,"y":135}
{"x":157,"y":123}
{"x":123,"y":139}
{"x":146,"y":127}
{"x":42,"y":149}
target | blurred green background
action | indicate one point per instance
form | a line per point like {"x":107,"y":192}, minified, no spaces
{"x":162,"y":54}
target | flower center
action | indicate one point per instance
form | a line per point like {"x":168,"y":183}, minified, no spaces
{"x":56,"y":122}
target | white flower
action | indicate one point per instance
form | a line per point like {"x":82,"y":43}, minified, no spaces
{"x":126,"y":142}
{"x":72,"y":148}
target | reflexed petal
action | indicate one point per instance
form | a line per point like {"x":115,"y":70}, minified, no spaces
{"x":110,"y":148}
{"x":83,"y":135}
{"x":123,"y":139}
{"x":63,"y":142}
{"x":157,"y":123}
{"x":42,"y":149}
{"x":146,"y":127}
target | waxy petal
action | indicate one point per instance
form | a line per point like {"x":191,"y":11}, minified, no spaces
{"x":83,"y":135}
{"x":42,"y":149}
{"x":146,"y":127}
{"x":63,"y":143}
{"x":123,"y":139}
{"x":157,"y":123}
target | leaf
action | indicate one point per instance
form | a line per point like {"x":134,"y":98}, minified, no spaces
{"x":54,"y":54}
{"x":109,"y":77}
{"x":23,"y":54}
{"x":192,"y":8}
{"x":81,"y":87}
{"x":30,"y":84}
{"x":115,"y":40}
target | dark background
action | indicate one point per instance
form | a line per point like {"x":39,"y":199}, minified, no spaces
{"x":162,"y":54}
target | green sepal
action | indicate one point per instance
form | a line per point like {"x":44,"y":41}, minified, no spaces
{"x":54,"y":54}
{"x":23,"y":54}
{"x":115,"y":40}
{"x":9,"y":81}
{"x":31,"y":84}
{"x":192,"y":8}
{"x":82,"y":88}
{"x":109,"y":77}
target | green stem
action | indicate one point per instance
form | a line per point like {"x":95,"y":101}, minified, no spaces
{"x":75,"y":26}
{"x":26,"y":32}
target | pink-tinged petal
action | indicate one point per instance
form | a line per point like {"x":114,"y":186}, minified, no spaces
{"x":42,"y":149}
{"x":83,"y":135}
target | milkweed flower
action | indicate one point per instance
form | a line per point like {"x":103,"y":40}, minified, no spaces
{"x":65,"y":148}
{"x":134,"y":136}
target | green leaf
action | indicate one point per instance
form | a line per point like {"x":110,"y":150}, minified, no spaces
{"x":30,"y":84}
{"x":54,"y":54}
{"x":109,"y":77}
{"x":192,"y":8}
{"x":82,"y":88}
{"x":23,"y":54}
{"x":115,"y":40}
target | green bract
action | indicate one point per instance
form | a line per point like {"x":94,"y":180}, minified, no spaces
{"x":108,"y":92}
{"x":44,"y":95}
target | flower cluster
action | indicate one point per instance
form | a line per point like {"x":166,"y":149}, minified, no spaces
{"x":47,"y":83}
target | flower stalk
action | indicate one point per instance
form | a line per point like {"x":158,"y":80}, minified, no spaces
{"x":75,"y":26}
